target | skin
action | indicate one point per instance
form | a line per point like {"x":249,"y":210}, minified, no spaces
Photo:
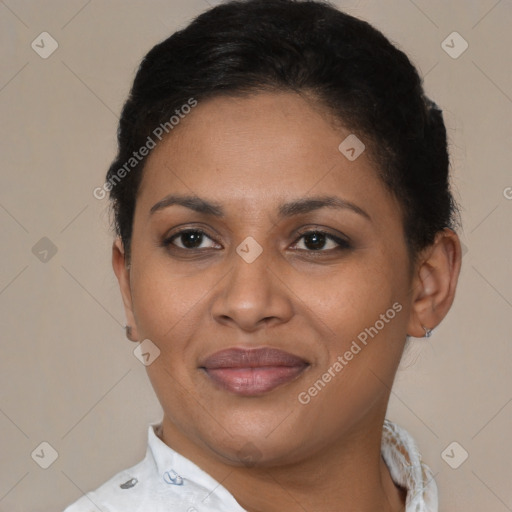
{"x":249,"y":155}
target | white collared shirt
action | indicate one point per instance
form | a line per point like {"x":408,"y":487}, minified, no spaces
{"x":165,"y":481}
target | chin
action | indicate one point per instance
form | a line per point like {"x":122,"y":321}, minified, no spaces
{"x":258,"y":443}
{"x":259,"y":452}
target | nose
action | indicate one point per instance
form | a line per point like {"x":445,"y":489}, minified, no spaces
{"x":253,"y":296}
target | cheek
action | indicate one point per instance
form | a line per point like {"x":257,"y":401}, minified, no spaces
{"x":165,"y":300}
{"x":364,"y":306}
{"x":353,"y":295}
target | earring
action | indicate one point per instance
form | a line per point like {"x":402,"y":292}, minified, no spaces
{"x":428,"y":332}
{"x":128,"y":330}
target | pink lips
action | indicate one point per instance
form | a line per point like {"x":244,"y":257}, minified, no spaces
{"x":252,"y":372}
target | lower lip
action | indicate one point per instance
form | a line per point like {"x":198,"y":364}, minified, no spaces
{"x":253,"y":381}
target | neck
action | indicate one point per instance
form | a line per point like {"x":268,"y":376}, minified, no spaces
{"x":350,"y":476}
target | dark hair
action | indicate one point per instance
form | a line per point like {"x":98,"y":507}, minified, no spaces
{"x":308,"y":47}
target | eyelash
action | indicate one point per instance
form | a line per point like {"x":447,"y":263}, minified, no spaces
{"x":342,"y":244}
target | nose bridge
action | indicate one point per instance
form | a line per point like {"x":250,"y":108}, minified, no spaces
{"x":252,"y":296}
{"x":250,"y":274}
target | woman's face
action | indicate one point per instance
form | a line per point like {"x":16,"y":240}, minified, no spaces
{"x":286,"y":244}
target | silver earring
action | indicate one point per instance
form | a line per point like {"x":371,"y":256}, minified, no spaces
{"x":128,"y":330}
{"x":428,"y":332}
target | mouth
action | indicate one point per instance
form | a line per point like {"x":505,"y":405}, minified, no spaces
{"x":252,"y":372}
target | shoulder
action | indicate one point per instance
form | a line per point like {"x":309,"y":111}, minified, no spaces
{"x":123,"y":491}
{"x":164,"y":481}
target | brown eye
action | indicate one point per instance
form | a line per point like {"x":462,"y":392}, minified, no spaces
{"x":320,"y":241}
{"x":315,"y":241}
{"x":191,"y":239}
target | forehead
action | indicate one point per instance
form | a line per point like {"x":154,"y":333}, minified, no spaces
{"x":260,"y":149}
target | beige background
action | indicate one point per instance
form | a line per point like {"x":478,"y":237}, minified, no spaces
{"x":68,"y":376}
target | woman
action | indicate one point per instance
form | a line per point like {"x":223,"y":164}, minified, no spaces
{"x":284,"y":223}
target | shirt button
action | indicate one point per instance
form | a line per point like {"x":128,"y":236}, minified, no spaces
{"x":172,"y":478}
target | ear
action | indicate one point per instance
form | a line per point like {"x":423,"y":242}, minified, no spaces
{"x":122,"y":271}
{"x":434,"y":283}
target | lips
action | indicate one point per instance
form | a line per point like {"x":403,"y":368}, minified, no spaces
{"x":252,"y":372}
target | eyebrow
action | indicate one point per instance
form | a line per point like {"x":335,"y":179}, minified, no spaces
{"x":192,"y":202}
{"x":290,"y":209}
{"x":310,"y":204}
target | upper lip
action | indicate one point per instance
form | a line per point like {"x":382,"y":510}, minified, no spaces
{"x":251,"y":358}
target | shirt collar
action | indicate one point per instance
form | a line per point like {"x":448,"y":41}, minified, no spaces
{"x":172,"y":466}
{"x":398,"y":450}
{"x":407,"y":469}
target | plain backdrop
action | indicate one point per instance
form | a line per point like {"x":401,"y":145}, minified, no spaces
{"x":68,"y":376}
